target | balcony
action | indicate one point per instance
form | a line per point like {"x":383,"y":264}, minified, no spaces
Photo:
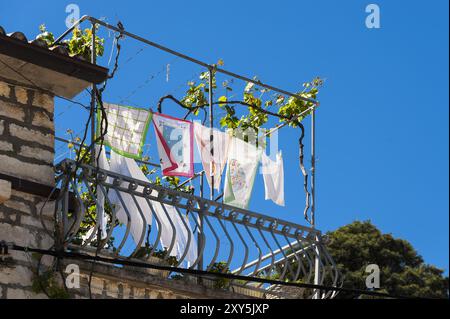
{"x":226,"y":239}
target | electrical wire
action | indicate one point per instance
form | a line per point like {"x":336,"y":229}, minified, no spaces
{"x":123,"y":261}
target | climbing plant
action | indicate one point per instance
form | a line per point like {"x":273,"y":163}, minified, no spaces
{"x":257,"y":102}
{"x":79,"y":44}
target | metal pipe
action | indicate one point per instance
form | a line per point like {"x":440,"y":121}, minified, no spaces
{"x":189,"y":179}
{"x":277,"y":127}
{"x":106,"y":152}
{"x":200,"y":234}
{"x":180,"y":55}
{"x":211,"y":135}
{"x":313,"y":200}
{"x":313,"y":169}
{"x":93,"y":98}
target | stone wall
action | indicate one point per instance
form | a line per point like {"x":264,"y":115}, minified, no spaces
{"x":26,"y":133}
{"x":26,"y":152}
{"x":110,"y":282}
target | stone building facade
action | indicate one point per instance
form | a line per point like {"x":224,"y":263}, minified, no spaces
{"x":26,"y":152}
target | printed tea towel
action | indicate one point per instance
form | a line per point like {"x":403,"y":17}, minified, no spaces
{"x":175,"y":140}
{"x":213,"y":165}
{"x":242,"y":164}
{"x":126,"y":130}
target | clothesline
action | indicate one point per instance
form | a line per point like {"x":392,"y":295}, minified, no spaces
{"x":175,"y":137}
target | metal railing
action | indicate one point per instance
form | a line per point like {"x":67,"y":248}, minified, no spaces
{"x":252,"y":244}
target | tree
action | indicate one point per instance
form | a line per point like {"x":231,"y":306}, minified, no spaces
{"x":402,"y":270}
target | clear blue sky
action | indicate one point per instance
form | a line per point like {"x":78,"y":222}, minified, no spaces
{"x":382,"y":128}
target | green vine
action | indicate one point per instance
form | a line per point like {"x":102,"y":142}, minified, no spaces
{"x":47,"y":283}
{"x":221,"y":267}
{"x":145,"y":251}
{"x":79,"y":44}
{"x":255,"y":99}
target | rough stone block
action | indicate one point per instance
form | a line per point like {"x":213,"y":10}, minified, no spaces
{"x":42,"y":119}
{"x":18,"y":235}
{"x":44,"y":100}
{"x":17,"y":275}
{"x":47,"y":209}
{"x":17,"y":205}
{"x":37,"y":153}
{"x":27,"y":134}
{"x":15,"y":293}
{"x":4,"y":89}
{"x":11,"y":111}
{"x":28,"y":220}
{"x":5,"y":190}
{"x":40,"y":173}
{"x":5,"y":146}
{"x":21,"y":95}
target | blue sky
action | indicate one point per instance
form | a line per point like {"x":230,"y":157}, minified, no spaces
{"x":382,"y":127}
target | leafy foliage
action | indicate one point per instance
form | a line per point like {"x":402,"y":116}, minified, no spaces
{"x":255,"y":99}
{"x":145,"y":251}
{"x":47,"y":282}
{"x":403,"y":271}
{"x":220,"y":267}
{"x":79,"y":44}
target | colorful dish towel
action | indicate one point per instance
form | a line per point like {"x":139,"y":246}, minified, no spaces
{"x":127,"y":129}
{"x":212,"y":164}
{"x":242,"y":164}
{"x":175,"y":140}
{"x":273,"y":174}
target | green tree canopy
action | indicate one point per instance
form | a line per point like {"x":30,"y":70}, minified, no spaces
{"x":402,"y":269}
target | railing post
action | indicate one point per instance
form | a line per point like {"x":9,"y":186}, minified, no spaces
{"x":211,"y":135}
{"x":313,"y":201}
{"x":93,"y":97}
{"x":200,"y":228}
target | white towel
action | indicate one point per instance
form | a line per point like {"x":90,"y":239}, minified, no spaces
{"x":102,"y":219}
{"x":273,"y":174}
{"x":213,"y":165}
{"x":242,"y":164}
{"x":100,"y":208}
{"x":129,"y":167}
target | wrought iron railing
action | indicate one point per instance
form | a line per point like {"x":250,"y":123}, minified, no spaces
{"x":244,"y":242}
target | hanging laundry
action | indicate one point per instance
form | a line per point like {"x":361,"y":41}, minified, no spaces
{"x":174,"y":139}
{"x":126,"y":130}
{"x":102,"y":218}
{"x":273,"y":174}
{"x":100,"y":207}
{"x":166,"y":214}
{"x":129,"y":167}
{"x":213,"y":165}
{"x":242,"y":164}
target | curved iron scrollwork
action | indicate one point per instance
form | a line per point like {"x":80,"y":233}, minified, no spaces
{"x":227,"y":238}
